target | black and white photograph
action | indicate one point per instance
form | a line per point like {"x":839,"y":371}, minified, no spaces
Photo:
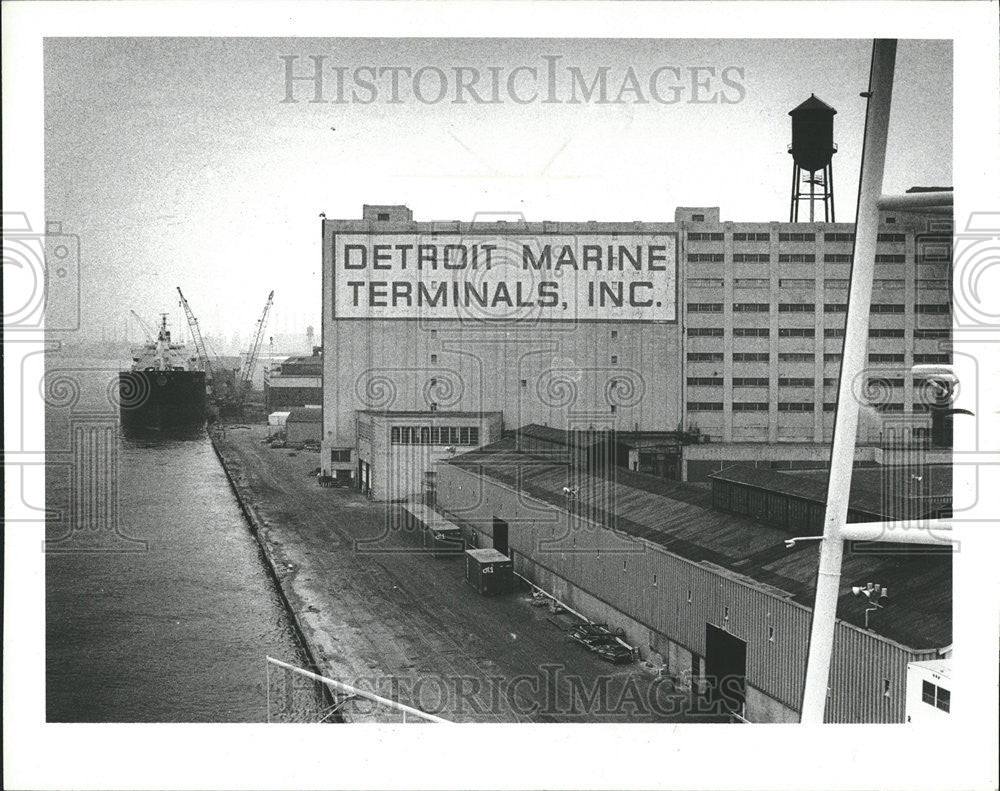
{"x":623,"y":370}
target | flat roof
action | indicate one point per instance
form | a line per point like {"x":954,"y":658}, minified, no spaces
{"x":304,"y":414}
{"x":679,"y":517}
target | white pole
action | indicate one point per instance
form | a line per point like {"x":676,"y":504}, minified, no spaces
{"x":852,"y":365}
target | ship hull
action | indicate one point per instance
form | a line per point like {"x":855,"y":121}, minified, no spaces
{"x":154,"y":400}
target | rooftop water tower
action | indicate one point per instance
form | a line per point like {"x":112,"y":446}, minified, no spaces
{"x":812,"y":149}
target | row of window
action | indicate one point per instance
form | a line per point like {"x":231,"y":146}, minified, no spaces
{"x":921,"y":283}
{"x":805,"y":357}
{"x":753,"y":381}
{"x":835,"y":236}
{"x":933,"y":308}
{"x":806,"y":258}
{"x":791,"y":406}
{"x":434,"y":435}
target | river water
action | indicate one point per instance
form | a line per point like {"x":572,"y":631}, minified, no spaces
{"x":172,"y":630}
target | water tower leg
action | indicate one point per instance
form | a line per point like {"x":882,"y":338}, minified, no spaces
{"x":793,"y":214}
{"x":829,"y":189}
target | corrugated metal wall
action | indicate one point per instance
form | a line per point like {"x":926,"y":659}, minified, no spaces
{"x":676,"y":598}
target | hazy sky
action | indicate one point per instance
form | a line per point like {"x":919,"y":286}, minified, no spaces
{"x":177,"y":162}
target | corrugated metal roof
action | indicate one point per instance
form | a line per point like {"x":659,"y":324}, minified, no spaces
{"x":679,"y":517}
{"x":881,"y":491}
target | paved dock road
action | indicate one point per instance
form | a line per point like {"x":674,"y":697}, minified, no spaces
{"x":381,"y":613}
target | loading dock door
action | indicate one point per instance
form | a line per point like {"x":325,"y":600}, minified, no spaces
{"x":500,"y":536}
{"x":725,"y":669}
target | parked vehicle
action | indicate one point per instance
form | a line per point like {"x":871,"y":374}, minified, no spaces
{"x":615,"y":653}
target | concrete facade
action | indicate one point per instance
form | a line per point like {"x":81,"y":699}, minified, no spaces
{"x":753,"y":356}
{"x":396,"y":450}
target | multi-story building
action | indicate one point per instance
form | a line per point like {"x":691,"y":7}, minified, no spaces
{"x":734,"y":330}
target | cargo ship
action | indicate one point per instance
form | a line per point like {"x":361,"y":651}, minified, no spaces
{"x":164,"y":388}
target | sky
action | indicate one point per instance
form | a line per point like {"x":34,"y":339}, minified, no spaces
{"x":194,"y":163}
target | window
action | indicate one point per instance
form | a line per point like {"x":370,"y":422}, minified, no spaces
{"x":887,"y":358}
{"x":835,"y":307}
{"x":751,"y":332}
{"x":434,"y":333}
{"x":704,"y":406}
{"x":751,"y":307}
{"x":936,"y":696}
{"x":938,"y":308}
{"x":704,"y":282}
{"x":614,"y":333}
{"x":340,"y":454}
{"x":838,"y":237}
{"x":751,"y":237}
{"x":918,"y":408}
{"x":434,"y":358}
{"x":887,"y":283}
{"x":796,"y":237}
{"x":706,"y":258}
{"x":654,"y":580}
{"x":796,"y":332}
{"x":891,"y":407}
{"x":704,"y":380}
{"x":750,"y":406}
{"x":829,"y":407}
{"x":888,"y":307}
{"x":383,"y":216}
{"x":797,"y":357}
{"x":797,"y":282}
{"x":689,"y":596}
{"x":892,"y":237}
{"x":796,"y":258}
{"x":613,"y":409}
{"x":932,"y":358}
{"x":829,"y":381}
{"x":751,"y":357}
{"x":770,"y":634}
{"x":614,"y":359}
{"x":832,"y":357}
{"x":796,"y":307}
{"x":750,"y":282}
{"x":923,"y":333}
{"x":434,"y":435}
{"x":933,"y":283}
{"x":796,"y":381}
{"x":751,"y":258}
{"x":833,"y":332}
{"x":704,"y":237}
{"x":698,"y":217}
{"x":836,"y":282}
{"x":704,"y":357}
{"x":890,"y":220}
{"x":885,"y":333}
{"x":887,"y":258}
{"x":524,"y":383}
{"x":836,"y":258}
{"x":796,"y":406}
{"x":750,"y":381}
{"x":703,"y":332}
{"x":704,"y":307}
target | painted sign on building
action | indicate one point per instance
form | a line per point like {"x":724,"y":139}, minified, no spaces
{"x":565,"y":277}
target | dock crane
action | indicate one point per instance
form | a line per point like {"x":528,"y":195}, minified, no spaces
{"x":246,"y":372}
{"x":150,"y":336}
{"x":196,"y":334}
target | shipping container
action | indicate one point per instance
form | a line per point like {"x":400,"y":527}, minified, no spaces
{"x":443,"y":540}
{"x":489,"y":572}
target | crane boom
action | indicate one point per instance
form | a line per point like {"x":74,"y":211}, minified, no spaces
{"x":196,"y":334}
{"x":251,"y":357}
{"x":145,"y":327}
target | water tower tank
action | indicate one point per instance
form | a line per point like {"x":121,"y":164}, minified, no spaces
{"x":812,"y":145}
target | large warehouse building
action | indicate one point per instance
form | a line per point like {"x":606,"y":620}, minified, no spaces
{"x":732,"y":332}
